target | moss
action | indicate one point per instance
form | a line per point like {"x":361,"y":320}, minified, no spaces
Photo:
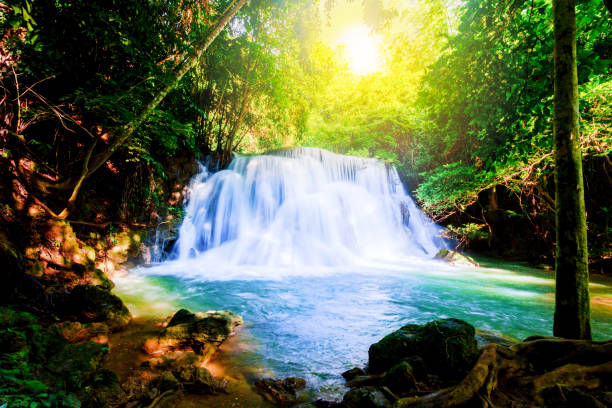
{"x":38,"y":367}
{"x":14,"y":318}
{"x":104,"y":391}
{"x":96,"y":304}
{"x":448,"y":347}
{"x":75,"y":364}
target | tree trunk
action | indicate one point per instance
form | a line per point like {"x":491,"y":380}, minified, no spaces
{"x":91,"y":164}
{"x":572,"y":311}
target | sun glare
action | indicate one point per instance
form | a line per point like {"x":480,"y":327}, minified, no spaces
{"x":361,"y":50}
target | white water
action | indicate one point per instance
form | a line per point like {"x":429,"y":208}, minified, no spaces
{"x":302,"y":207}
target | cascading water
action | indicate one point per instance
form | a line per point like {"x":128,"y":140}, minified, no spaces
{"x":303,"y":206}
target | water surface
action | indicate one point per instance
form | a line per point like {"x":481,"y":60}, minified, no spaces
{"x":317,"y":322}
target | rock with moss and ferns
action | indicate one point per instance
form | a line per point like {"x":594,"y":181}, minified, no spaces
{"x":455,"y":258}
{"x":200,"y":332}
{"x":447,"y":347}
{"x":89,"y":304}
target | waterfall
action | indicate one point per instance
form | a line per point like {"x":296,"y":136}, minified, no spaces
{"x":302,"y":207}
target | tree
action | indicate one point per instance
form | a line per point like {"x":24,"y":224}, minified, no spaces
{"x":572,"y":309}
{"x":189,"y":60}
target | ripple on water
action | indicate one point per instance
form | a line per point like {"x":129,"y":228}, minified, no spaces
{"x":318,"y":323}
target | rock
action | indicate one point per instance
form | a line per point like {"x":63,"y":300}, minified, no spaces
{"x":455,"y":258}
{"x":352,"y":373}
{"x":167,"y":381}
{"x":365,"y":380}
{"x":137,"y":387}
{"x":180,"y":317}
{"x":321,"y":403}
{"x":174,"y":361}
{"x":366,"y":397}
{"x":104,"y":392}
{"x":172,"y":371}
{"x":201,"y":332}
{"x":448,"y":348}
{"x":205,"y":383}
{"x":283,"y":392}
{"x":400,"y":379}
{"x":94,"y":304}
{"x":76,"y":363}
{"x":76,"y":332}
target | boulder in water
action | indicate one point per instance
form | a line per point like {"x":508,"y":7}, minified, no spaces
{"x":447,"y":347}
{"x":455,"y":258}
{"x":200,"y":332}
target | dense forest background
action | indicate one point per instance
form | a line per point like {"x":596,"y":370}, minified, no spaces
{"x":462,"y":105}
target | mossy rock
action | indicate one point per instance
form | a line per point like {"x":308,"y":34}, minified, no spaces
{"x":400,"y":379}
{"x":166,"y":381}
{"x":447,"y":347}
{"x":76,"y":364}
{"x":95,"y":304}
{"x":200,"y":332}
{"x":15,"y":318}
{"x":104,"y":391}
{"x":366,"y":397}
{"x":455,"y":258}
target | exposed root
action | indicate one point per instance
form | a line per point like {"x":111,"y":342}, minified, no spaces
{"x":523,"y":372}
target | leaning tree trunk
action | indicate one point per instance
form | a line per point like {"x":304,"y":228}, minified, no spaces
{"x":572,"y":311}
{"x":93,"y":163}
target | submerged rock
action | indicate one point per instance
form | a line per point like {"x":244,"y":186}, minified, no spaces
{"x":447,"y":347}
{"x":283,"y":392}
{"x":455,"y":258}
{"x":200,"y":332}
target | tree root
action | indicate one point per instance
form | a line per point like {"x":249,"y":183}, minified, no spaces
{"x":523,"y":372}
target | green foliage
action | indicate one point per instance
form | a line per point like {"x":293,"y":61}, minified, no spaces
{"x":489,"y":98}
{"x":466,"y":233}
{"x":22,"y":359}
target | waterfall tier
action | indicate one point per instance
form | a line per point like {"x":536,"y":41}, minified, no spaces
{"x":302,"y":206}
